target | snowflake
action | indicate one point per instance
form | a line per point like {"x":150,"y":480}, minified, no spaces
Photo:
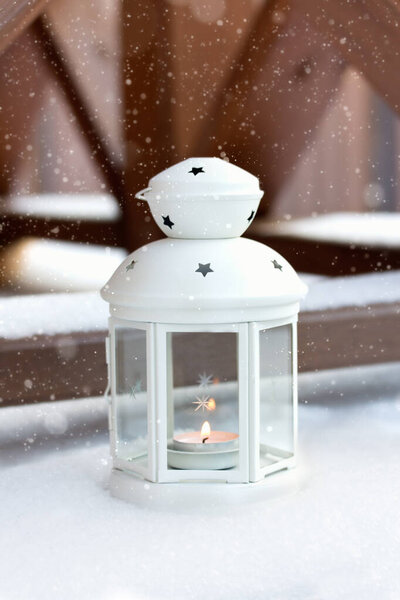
{"x":202,"y":402}
{"x":204,"y":380}
{"x":136,"y":388}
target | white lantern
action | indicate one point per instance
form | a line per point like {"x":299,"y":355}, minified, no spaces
{"x":202,"y":347}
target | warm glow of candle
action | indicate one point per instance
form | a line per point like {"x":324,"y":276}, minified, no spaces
{"x":211,"y":404}
{"x":205,"y":431}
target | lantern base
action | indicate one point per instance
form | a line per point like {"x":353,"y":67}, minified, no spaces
{"x":192,"y":497}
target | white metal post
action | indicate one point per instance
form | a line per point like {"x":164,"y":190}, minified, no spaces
{"x":170,"y":387}
{"x":160,"y":442}
{"x":254,"y":402}
{"x":243,"y":374}
{"x":151,"y":402}
{"x":294,"y":390}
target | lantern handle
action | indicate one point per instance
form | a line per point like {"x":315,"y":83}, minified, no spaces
{"x":140,"y":195}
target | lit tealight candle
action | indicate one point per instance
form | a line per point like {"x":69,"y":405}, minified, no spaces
{"x":204,"y":449}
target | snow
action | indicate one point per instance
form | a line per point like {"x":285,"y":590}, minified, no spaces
{"x":328,"y":530}
{"x":67,"y":207}
{"x":25,"y":316}
{"x":42,"y":265}
{"x":380,"y":230}
{"x":354,"y":290}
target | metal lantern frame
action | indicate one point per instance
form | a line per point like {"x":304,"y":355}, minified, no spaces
{"x":158,"y":396}
{"x":203,"y":278}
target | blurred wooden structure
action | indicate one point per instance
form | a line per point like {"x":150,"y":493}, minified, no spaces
{"x":260,"y":106}
{"x":267,"y":106}
{"x":56,"y":367}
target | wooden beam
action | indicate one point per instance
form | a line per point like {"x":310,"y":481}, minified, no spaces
{"x":148,"y":128}
{"x":289,"y":71}
{"x":366,"y":34}
{"x":45,"y":368}
{"x":15,"y":17}
{"x":58,"y":367}
{"x":349,"y":336}
{"x":89,"y":232}
{"x":279,"y":87}
{"x":59,"y":68}
{"x":329,"y":258}
{"x":22,"y":83}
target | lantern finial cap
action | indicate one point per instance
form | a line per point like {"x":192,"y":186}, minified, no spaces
{"x":203,"y":198}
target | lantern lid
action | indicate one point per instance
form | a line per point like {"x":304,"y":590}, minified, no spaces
{"x":204,"y":281}
{"x":202,"y":177}
{"x":203,"y":198}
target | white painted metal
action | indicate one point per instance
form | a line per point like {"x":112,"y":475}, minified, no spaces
{"x":113,"y":439}
{"x":147,"y":471}
{"x":295,"y":392}
{"x":159,"y":288}
{"x":211,"y":315}
{"x":216,"y":202}
{"x":256,"y":471}
{"x":165,"y":286}
{"x":161,"y":402}
{"x":151,"y":402}
{"x":254,"y":403}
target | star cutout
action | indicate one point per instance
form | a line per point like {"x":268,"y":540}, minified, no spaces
{"x":196,"y":170}
{"x":204,"y":380}
{"x":276,"y":265}
{"x":251,"y":216}
{"x":202,"y":402}
{"x":204,"y":269}
{"x":168,"y":222}
{"x":136,"y":388}
{"x":131,"y":265}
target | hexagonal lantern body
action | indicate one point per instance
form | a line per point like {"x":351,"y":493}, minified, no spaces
{"x":202,"y":346}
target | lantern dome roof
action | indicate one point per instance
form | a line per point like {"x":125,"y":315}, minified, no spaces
{"x":204,"y":281}
{"x":202,"y":177}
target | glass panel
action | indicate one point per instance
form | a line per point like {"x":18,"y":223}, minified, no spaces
{"x":276,"y":395}
{"x":131,"y":395}
{"x":203,"y":387}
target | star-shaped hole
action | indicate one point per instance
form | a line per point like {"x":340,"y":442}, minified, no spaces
{"x":204,"y":380}
{"x":196,"y":170}
{"x":168,"y":222}
{"x":202,"y":402}
{"x":131,"y":265}
{"x":276,"y":265}
{"x":204,"y":269}
{"x":136,"y":388}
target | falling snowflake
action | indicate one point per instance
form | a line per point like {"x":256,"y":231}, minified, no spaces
{"x":136,"y":388}
{"x":204,"y":380}
{"x":202,"y":402}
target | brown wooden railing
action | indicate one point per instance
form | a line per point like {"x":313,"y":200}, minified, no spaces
{"x":56,"y":367}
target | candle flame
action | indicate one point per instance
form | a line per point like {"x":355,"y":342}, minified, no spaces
{"x":211,"y":404}
{"x":205,"y":431}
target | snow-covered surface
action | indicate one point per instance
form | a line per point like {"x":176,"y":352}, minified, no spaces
{"x":24,"y":316}
{"x":354,"y":290}
{"x":366,"y":229}
{"x":328,"y":530}
{"x":41,"y":265}
{"x":68,"y":207}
